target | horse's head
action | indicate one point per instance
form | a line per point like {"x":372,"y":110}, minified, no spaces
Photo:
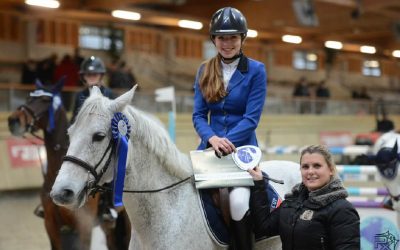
{"x":38,"y":111}
{"x":387,"y":160}
{"x":91,"y":150}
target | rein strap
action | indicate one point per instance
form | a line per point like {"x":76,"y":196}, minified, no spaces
{"x":160,"y":189}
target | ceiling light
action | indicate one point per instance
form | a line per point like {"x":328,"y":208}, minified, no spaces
{"x":333,"y":44}
{"x":291,"y":39}
{"x":54,"y":4}
{"x":367,"y":49}
{"x":396,"y":53}
{"x":190,"y":24}
{"x":126,"y":14}
{"x":252,"y":33}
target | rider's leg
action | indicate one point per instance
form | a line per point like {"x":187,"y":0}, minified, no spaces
{"x":241,"y":219}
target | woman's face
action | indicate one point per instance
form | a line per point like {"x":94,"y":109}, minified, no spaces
{"x":92,"y":79}
{"x":315,"y":171}
{"x":228,"y":45}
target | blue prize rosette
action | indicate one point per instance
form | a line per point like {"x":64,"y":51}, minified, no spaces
{"x":120,"y":131}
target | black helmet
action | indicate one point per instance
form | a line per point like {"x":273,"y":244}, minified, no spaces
{"x":228,"y":21}
{"x":92,"y":65}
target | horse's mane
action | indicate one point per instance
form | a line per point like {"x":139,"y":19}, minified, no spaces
{"x":145,"y":128}
{"x":155,"y":138}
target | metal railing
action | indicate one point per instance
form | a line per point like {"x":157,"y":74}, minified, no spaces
{"x":13,"y":95}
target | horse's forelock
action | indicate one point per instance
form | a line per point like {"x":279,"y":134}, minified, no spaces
{"x":94,"y":104}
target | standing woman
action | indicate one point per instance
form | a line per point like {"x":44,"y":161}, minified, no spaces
{"x":316,"y":214}
{"x":229,"y":96}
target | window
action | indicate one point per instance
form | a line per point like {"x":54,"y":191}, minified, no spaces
{"x":101,"y":38}
{"x":371,"y":68}
{"x":305,"y":60}
{"x":209,"y":50}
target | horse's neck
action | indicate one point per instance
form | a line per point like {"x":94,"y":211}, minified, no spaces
{"x":56,"y":143}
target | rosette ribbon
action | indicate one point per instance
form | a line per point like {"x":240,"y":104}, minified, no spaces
{"x":120,"y":131}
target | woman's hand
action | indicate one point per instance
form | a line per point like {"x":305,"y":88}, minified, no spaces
{"x":256,"y":173}
{"x":222,"y":146}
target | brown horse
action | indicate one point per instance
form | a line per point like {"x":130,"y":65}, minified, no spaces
{"x":66,"y":229}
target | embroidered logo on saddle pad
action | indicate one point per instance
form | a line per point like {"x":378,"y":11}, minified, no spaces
{"x":247,"y":157}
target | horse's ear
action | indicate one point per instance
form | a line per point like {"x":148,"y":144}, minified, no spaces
{"x":95,"y":90}
{"x":38,"y":84}
{"x":59,"y":85}
{"x":120,"y":103}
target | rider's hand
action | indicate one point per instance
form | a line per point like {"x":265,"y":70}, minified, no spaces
{"x":256,"y":173}
{"x":222,"y":146}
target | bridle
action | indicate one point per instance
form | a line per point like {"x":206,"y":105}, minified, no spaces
{"x":92,"y":187}
{"x":31,"y":126}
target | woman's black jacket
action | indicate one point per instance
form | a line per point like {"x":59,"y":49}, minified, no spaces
{"x":322,"y":219}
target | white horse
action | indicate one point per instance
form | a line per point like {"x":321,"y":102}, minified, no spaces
{"x":168,"y":219}
{"x":386,"y":155}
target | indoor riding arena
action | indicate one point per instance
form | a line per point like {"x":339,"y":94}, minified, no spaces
{"x":333,"y":78}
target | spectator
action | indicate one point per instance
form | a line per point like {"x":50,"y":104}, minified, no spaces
{"x":29,"y":73}
{"x":46,"y":68}
{"x":78,"y":59}
{"x":302,"y":105}
{"x":301,"y":88}
{"x":67,"y":68}
{"x":322,"y":94}
{"x":362,"y":94}
{"x":121,"y":76}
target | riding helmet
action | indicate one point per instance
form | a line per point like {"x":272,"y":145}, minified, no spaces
{"x":92,"y":65}
{"x":228,"y":21}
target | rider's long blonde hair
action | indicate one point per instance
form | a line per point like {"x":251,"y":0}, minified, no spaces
{"x":211,"y":81}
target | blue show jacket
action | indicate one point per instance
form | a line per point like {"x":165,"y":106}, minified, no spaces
{"x":236,"y":116}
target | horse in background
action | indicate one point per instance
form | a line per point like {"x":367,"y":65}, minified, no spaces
{"x":161,"y":199}
{"x":66,"y":229}
{"x":386,"y":156}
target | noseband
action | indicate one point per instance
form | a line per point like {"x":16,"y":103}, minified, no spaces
{"x":92,"y":186}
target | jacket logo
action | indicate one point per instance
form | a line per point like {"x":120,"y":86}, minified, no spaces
{"x":307,"y":215}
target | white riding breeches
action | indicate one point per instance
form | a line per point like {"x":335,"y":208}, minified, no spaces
{"x":239,"y":198}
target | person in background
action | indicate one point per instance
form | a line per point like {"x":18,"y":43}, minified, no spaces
{"x":229,"y":96}
{"x":29,"y":73}
{"x":91,"y":72}
{"x":45,"y":69}
{"x":316,"y":214}
{"x":322,"y":93}
{"x":121,"y":76}
{"x":301,"y":91}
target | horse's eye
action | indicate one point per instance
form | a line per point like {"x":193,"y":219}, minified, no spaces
{"x":99,"y":136}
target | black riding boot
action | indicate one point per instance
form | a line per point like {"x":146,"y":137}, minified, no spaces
{"x":242,"y":233}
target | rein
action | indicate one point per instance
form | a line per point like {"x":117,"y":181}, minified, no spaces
{"x":160,"y":189}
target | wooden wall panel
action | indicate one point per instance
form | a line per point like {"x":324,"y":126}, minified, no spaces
{"x":187,"y":46}
{"x":283,"y":57}
{"x":144,"y":40}
{"x":11,"y":27}
{"x":354,"y":65}
{"x":58,"y":32}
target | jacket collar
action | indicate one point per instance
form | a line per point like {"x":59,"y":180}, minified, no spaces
{"x":329,"y":193}
{"x":238,"y":76}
